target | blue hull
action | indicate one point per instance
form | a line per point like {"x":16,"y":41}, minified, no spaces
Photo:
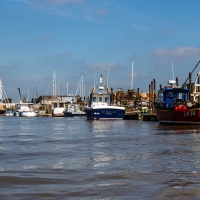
{"x":104,"y":113}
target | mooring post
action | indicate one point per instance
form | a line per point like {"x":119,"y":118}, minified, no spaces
{"x":198,"y":88}
{"x":149,"y":98}
{"x":138,"y":96}
{"x":176,"y":81}
{"x":154,"y":89}
{"x":190,"y":86}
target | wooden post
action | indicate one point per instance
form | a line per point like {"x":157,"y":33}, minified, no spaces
{"x":190,"y":86}
{"x":149,"y":98}
{"x":138,"y":95}
{"x":154,"y":91}
{"x":198,"y":88}
{"x":176,"y":81}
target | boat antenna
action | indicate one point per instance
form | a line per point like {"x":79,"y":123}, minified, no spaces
{"x":107,"y":76}
{"x":198,"y":75}
{"x":94,"y":79}
{"x":132,"y":75}
{"x":105,"y":79}
{"x":191,"y":73}
{"x":173,"y":71}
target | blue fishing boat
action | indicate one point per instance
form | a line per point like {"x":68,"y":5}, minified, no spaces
{"x":100,"y":106}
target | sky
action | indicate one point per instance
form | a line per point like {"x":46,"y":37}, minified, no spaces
{"x":86,"y":38}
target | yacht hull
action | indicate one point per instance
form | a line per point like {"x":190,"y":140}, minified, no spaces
{"x":28,"y":114}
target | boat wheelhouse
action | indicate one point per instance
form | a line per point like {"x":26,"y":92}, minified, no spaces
{"x":73,"y":110}
{"x":57,"y":108}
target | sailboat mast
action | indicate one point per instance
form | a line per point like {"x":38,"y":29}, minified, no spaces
{"x":132,"y":75}
{"x":54,"y":84}
{"x":1,"y":91}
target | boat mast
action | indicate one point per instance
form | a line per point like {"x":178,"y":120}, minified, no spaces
{"x":132,"y":76}
{"x":107,"y":76}
{"x":67,"y":88}
{"x":1,"y":91}
{"x":54,"y":84}
{"x":81,"y":88}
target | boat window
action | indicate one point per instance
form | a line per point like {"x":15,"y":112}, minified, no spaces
{"x":61,"y":105}
{"x":94,"y":99}
{"x":180,"y":96}
{"x":55,"y":105}
{"x":106,"y":99}
{"x":171,"y":95}
{"x":100,"y":99}
{"x":160,"y":96}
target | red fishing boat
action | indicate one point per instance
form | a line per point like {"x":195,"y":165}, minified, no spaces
{"x":173,"y":105}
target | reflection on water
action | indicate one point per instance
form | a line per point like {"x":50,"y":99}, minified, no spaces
{"x":64,"y":158}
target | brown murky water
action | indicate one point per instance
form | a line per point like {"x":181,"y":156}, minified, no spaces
{"x":73,"y":158}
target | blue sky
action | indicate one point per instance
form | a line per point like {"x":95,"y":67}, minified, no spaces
{"x":86,"y":37}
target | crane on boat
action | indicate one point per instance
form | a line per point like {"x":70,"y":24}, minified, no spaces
{"x":20,"y":95}
{"x":36,"y":93}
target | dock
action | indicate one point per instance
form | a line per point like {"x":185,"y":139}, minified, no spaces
{"x":149,"y":117}
{"x":140,"y":116}
{"x":132,"y":115}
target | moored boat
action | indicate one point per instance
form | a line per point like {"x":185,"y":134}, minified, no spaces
{"x":28,"y":113}
{"x":175,"y":105}
{"x":73,"y":110}
{"x":172,"y":107}
{"x":23,"y":109}
{"x":100,"y":105}
{"x":57,"y":108}
{"x":9,"y":113}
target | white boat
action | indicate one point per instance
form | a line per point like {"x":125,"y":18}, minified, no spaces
{"x":28,"y":114}
{"x":57,"y":108}
{"x":100,"y":105}
{"x":25,"y":110}
{"x":73,"y":110}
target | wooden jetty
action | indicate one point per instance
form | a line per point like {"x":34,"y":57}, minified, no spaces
{"x":140,"y":116}
{"x":149,"y":117}
{"x":134,"y":115}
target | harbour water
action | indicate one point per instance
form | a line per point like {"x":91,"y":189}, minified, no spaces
{"x":74,"y":158}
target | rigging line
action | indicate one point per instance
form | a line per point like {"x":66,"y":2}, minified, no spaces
{"x":191,"y":72}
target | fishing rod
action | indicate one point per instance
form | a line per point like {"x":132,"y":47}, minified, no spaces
{"x":191,"y":73}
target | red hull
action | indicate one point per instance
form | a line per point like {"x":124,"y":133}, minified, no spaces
{"x":191,"y":116}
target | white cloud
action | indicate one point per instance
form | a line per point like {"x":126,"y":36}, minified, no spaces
{"x":138,"y":27}
{"x":65,"y":1}
{"x":102,"y":11}
{"x":66,"y":54}
{"x":103,"y":66}
{"x":178,"y":52}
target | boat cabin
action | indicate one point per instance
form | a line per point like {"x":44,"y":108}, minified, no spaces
{"x":23,"y":106}
{"x":100,"y":99}
{"x":171,"y":95}
{"x":58,"y":104}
